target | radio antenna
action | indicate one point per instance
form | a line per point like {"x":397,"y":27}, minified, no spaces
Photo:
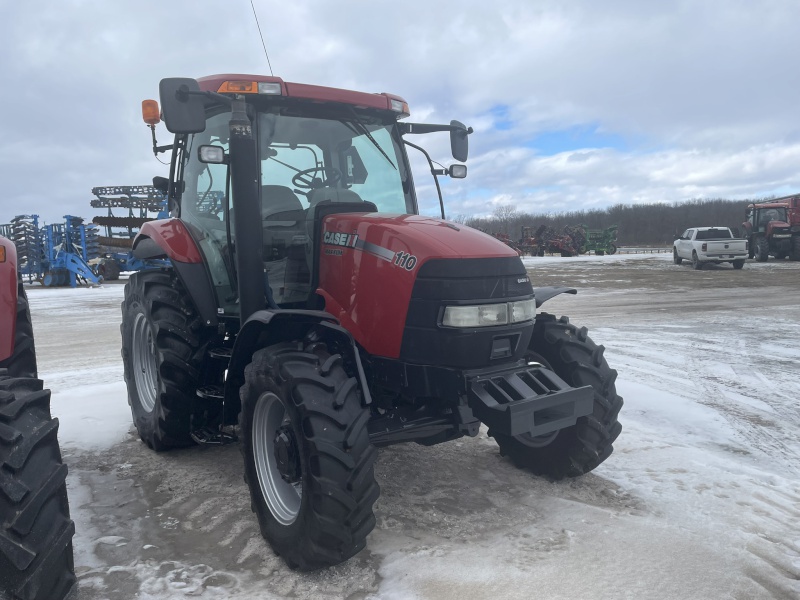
{"x":262,"y":38}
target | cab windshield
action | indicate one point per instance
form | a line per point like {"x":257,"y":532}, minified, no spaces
{"x":304,"y":160}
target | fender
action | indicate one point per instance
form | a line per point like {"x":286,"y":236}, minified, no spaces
{"x":543,"y":294}
{"x":170,"y":238}
{"x":267,"y":327}
{"x":8,"y":297}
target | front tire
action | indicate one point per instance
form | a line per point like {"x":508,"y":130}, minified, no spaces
{"x":35,"y":528}
{"x":795,"y":253}
{"x":762,"y":250}
{"x":308,"y":458}
{"x":163,"y":350}
{"x":576,"y":450}
{"x":675,"y":258}
{"x":612,"y":249}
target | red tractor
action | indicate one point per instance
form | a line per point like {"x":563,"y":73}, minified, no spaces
{"x":315,"y":309}
{"x":772,"y":228}
{"x":35,"y":528}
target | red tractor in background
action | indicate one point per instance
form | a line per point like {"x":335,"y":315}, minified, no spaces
{"x":772,"y":228}
{"x":310,"y":304}
{"x":35,"y":528}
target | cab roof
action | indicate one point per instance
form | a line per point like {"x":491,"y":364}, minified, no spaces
{"x":382,"y":101}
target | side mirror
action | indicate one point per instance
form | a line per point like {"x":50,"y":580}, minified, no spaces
{"x":459,"y":145}
{"x":182,"y":105}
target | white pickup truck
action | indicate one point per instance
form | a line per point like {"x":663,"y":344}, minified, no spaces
{"x":703,"y":245}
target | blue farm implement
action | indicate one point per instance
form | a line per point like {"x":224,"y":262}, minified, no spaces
{"x":140,"y":204}
{"x":57,"y":254}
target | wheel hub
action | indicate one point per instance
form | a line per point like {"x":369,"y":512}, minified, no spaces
{"x":287,"y":457}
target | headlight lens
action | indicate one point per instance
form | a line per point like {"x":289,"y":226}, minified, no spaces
{"x":522,"y":311}
{"x":488,"y":315}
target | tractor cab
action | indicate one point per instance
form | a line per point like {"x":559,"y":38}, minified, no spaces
{"x":311,"y":146}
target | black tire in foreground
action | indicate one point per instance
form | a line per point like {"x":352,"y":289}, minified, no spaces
{"x":576,"y":450}
{"x":308,"y":458}
{"x":675,"y":258}
{"x":163,"y":349}
{"x":22,"y":363}
{"x":35,"y":528}
{"x":761,"y":251}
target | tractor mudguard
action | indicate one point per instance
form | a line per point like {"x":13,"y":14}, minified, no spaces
{"x":8,"y":297}
{"x":267,"y":327}
{"x":543,"y":294}
{"x":166,"y":238}
{"x":170,"y":238}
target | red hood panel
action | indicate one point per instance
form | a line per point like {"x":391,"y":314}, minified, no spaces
{"x":368,"y":265}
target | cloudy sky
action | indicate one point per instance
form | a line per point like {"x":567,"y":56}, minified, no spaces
{"x":574,"y":104}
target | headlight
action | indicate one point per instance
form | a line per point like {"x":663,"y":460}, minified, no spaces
{"x":488,"y":315}
{"x":522,"y":311}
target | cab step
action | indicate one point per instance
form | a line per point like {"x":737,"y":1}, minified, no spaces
{"x":213,"y":437}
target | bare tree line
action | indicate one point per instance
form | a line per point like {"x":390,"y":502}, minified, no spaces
{"x":652,"y":224}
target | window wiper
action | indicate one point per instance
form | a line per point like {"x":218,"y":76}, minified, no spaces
{"x":363,"y":130}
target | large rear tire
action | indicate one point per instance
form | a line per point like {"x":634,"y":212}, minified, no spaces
{"x":22,"y":362}
{"x":308,"y":458}
{"x":163,"y":350}
{"x":35,"y":528}
{"x":576,"y":450}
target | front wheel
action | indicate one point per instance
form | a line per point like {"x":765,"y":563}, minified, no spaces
{"x":612,"y":249}
{"x":308,"y":458}
{"x":794,"y":254}
{"x":675,"y":258}
{"x":762,"y":250}
{"x":578,"y":449}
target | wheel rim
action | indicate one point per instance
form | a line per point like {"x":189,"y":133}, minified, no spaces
{"x":268,"y":431}
{"x":145,"y":368}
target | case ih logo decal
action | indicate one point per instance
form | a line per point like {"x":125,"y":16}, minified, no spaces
{"x":348,"y":240}
{"x":403,"y":260}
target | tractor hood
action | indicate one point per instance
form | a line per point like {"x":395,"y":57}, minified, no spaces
{"x":369,"y":262}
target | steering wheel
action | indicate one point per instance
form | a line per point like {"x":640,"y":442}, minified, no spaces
{"x":305,"y":179}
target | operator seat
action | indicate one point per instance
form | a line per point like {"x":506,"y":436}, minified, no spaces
{"x":333,"y":194}
{"x":279,"y":203}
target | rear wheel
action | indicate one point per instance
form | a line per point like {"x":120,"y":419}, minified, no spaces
{"x":738,"y":264}
{"x":761,"y":250}
{"x":675,"y":258}
{"x":308,"y":458}
{"x":35,"y":528}
{"x":22,"y":362}
{"x":163,"y":348}
{"x":697,"y":264}
{"x":576,"y":450}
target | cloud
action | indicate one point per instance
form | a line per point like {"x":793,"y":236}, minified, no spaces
{"x":681,"y":99}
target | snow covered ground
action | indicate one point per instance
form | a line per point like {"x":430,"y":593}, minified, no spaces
{"x":701,"y":498}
